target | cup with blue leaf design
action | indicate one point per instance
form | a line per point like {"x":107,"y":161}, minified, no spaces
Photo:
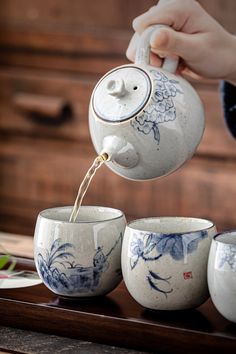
{"x":222,"y":274}
{"x":83,"y":258}
{"x":164,"y":261}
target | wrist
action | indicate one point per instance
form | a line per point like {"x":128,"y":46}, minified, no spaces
{"x":231,"y":73}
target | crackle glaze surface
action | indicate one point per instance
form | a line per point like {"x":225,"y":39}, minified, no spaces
{"x":164,"y":134}
{"x":162,"y":107}
{"x":164,"y":261}
{"x":79,"y":259}
{"x":222,"y":274}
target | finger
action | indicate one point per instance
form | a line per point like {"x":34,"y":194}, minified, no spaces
{"x":149,"y":18}
{"x":191,"y":75}
{"x":155,"y":60}
{"x":181,"y":67}
{"x":167,"y":13}
{"x":168,"y":41}
{"x":131,"y":50}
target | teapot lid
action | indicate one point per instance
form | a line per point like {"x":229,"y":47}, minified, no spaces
{"x":121,"y":94}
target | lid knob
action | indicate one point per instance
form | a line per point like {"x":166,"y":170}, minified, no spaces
{"x":121,"y":94}
{"x":116,"y":88}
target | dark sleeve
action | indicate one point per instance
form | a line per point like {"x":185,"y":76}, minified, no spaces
{"x":229,"y":105}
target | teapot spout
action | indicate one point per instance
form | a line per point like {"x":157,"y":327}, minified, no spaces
{"x":120,"y":151}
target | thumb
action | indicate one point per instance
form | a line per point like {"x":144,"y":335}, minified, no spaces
{"x":166,"y":40}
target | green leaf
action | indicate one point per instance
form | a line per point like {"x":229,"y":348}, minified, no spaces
{"x":3,"y":260}
{"x":12,"y":265}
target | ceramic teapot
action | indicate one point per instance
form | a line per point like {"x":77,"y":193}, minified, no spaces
{"x":147,"y":119}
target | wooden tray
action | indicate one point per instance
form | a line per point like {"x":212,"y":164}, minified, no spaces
{"x":116,"y":319}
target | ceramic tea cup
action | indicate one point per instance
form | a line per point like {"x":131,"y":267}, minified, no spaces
{"x":164,"y":261}
{"x":222,"y":274}
{"x":83,"y":258}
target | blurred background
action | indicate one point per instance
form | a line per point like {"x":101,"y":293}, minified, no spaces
{"x":52,"y":55}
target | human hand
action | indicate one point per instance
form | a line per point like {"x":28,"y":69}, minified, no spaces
{"x":205,"y":47}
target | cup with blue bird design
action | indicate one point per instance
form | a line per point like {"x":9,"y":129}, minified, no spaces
{"x":164,"y":261}
{"x":83,"y":258}
{"x":222,"y":274}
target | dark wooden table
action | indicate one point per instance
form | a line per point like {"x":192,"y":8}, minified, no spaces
{"x":116,"y":320}
{"x":14,"y":340}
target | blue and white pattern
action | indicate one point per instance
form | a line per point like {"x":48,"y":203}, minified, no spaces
{"x":227,"y":255}
{"x":161,"y":108}
{"x":152,"y":246}
{"x":74,"y":277}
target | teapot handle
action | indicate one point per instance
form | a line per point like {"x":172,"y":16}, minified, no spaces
{"x":143,"y":51}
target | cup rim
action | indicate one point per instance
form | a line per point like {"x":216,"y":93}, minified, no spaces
{"x":225,"y":233}
{"x":42,"y":212}
{"x":212,"y":224}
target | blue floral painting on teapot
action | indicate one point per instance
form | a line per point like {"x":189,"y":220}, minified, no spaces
{"x":161,"y":108}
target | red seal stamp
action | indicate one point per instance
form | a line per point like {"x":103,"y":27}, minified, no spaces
{"x":187,"y":275}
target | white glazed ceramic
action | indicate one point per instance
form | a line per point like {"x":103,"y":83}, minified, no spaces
{"x":80,"y":259}
{"x":18,"y":279}
{"x":164,"y":261}
{"x":222,"y":274}
{"x":149,"y":120}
